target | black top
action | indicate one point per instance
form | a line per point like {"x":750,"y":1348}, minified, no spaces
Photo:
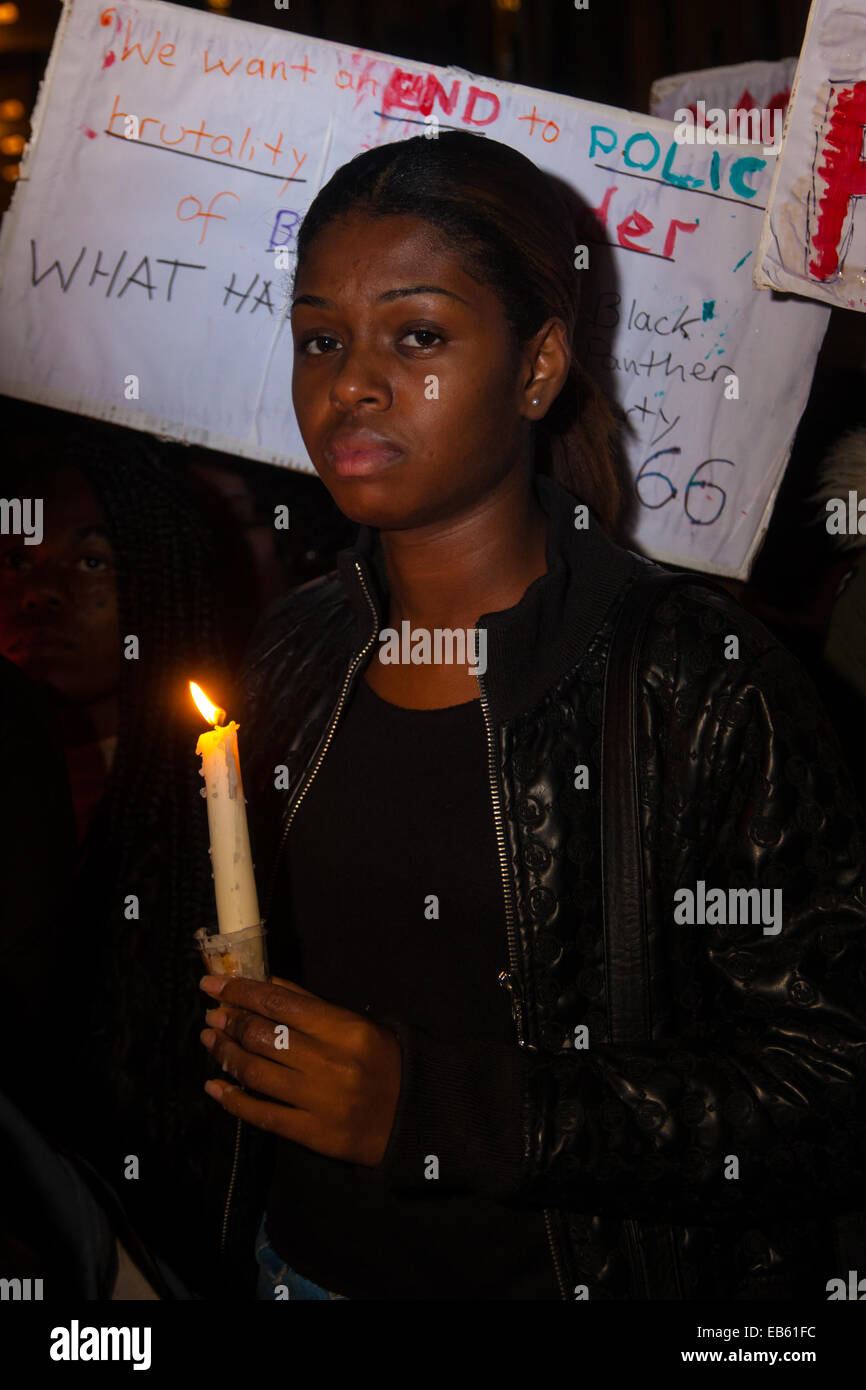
{"x":398,"y":910}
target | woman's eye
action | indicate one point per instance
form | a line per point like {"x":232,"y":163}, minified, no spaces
{"x":422,"y":333}
{"x":14,"y":560}
{"x":317,"y":338}
{"x":305,"y":345}
{"x":93,"y":563}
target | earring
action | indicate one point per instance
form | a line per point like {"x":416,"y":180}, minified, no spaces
{"x":535,"y":400}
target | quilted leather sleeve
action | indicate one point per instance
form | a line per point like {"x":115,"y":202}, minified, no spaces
{"x":749,"y":1095}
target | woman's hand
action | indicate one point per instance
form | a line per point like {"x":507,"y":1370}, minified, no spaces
{"x":334,"y":1075}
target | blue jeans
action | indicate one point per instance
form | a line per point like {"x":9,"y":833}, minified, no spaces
{"x":273,"y":1271}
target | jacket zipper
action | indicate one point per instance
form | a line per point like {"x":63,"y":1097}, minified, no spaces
{"x":510,"y":979}
{"x":353,"y":666}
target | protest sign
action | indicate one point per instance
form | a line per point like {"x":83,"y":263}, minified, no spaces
{"x":176,"y":152}
{"x":738,"y":87}
{"x":813,"y":237}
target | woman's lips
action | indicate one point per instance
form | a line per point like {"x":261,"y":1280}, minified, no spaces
{"x":363,"y":463}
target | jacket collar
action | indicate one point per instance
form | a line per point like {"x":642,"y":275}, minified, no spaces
{"x":532,"y":645}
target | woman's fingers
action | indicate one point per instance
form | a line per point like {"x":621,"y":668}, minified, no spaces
{"x":335,"y":1074}
{"x":262,"y":1036}
{"x":297,"y":1008}
{"x":299,"y":1125}
{"x":290,"y":984}
{"x":278,"y":1080}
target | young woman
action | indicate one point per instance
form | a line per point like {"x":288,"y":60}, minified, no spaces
{"x":445,"y":1103}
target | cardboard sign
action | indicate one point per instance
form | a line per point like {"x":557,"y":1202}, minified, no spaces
{"x":813,"y":239}
{"x":176,"y":153}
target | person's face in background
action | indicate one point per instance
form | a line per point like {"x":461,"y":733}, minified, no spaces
{"x":363,"y":362}
{"x":58,"y":603}
{"x":249,"y":558}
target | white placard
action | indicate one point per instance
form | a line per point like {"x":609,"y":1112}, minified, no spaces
{"x":738,"y":87}
{"x":813,"y":238}
{"x":142,"y":257}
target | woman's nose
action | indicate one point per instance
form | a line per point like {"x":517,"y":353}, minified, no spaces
{"x":359,"y":380}
{"x":41,"y":597}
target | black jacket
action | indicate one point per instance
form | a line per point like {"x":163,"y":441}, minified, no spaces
{"x":710,"y":1161}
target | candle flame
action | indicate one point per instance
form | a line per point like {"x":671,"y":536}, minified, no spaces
{"x":212,"y":713}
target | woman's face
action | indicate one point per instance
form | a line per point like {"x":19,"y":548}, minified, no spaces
{"x":436,"y":374}
{"x":58,"y":600}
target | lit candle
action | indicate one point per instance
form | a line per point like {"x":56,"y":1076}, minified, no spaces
{"x":237,"y":902}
